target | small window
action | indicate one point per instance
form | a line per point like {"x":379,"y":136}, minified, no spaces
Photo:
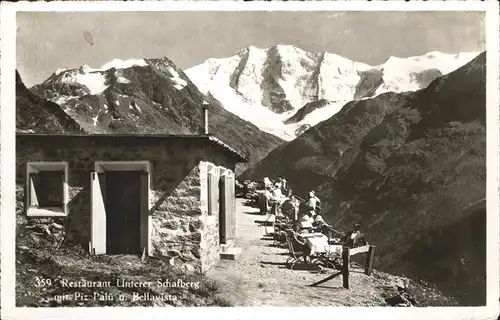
{"x":47,"y":187}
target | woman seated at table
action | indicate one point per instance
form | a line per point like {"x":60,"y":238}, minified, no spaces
{"x":319,"y":224}
{"x":305,"y":224}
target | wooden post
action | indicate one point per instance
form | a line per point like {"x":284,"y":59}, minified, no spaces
{"x":369,"y":260}
{"x":345,"y":266}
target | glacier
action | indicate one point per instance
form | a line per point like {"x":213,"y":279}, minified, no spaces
{"x":267,"y":86}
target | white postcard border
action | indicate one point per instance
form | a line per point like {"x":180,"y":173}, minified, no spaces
{"x":7,"y":165}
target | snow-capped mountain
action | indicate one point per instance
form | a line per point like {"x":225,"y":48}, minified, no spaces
{"x":134,"y":96}
{"x":284,"y":90}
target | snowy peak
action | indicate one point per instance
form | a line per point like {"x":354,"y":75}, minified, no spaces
{"x":123,"y":64}
{"x":66,"y":84}
{"x":273,"y":87}
{"x":413,"y":73}
{"x":115,"y":63}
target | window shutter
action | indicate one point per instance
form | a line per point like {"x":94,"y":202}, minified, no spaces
{"x":98,"y":216}
{"x":144,"y":212}
{"x":34,"y":189}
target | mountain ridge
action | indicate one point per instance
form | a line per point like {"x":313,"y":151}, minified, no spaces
{"x":269,"y":86}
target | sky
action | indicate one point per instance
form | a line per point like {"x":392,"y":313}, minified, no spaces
{"x":47,"y":41}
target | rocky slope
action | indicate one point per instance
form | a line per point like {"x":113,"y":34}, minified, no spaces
{"x":133,"y":96}
{"x":35,"y":114}
{"x":284,"y":90}
{"x":411,"y":168}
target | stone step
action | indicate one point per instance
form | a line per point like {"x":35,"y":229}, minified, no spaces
{"x":231,"y":254}
{"x":225,"y":247}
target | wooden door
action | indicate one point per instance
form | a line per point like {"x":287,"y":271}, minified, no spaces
{"x":231,"y":207}
{"x":226,"y":213}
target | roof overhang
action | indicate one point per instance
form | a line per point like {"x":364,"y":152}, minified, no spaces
{"x":209,"y":138}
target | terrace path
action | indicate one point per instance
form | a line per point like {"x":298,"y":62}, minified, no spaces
{"x":259,"y":276}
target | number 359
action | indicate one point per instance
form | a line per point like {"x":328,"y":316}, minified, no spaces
{"x":42,"y":282}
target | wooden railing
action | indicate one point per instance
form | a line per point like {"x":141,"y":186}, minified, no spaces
{"x":347,"y":253}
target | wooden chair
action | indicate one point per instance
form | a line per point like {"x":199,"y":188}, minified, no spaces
{"x":295,"y":249}
{"x":279,"y":231}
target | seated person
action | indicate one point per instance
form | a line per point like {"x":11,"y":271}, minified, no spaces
{"x":313,"y":204}
{"x":277,"y":198}
{"x":267,"y":182}
{"x":305,"y":224}
{"x":294,"y":212}
{"x":319,"y":224}
{"x":284,"y":186}
{"x":354,"y":238}
{"x":265,"y":201}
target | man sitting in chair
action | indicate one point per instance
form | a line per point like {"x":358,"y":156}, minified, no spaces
{"x":265,"y":201}
{"x":319,"y":225}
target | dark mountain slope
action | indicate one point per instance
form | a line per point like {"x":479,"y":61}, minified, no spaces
{"x":314,"y":158}
{"x":152,"y":98}
{"x":35,"y":114}
{"x":411,"y":168}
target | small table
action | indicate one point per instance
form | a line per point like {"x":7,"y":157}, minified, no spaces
{"x":318,"y":243}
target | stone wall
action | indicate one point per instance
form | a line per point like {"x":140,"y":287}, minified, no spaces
{"x":175,"y":222}
{"x":210,"y":246}
{"x":179,"y":226}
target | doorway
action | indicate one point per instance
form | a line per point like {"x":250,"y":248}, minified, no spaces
{"x":123,"y":212}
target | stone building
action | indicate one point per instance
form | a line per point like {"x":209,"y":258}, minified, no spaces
{"x":162,"y":195}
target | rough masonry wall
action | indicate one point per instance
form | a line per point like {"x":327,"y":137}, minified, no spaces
{"x":210,"y":245}
{"x":176,"y":227}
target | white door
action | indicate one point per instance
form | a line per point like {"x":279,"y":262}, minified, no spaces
{"x":98,"y":215}
{"x":231,"y":206}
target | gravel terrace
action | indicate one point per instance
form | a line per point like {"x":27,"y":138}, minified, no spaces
{"x":259,"y":276}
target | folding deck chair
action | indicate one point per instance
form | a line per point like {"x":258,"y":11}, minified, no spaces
{"x":295,"y":249}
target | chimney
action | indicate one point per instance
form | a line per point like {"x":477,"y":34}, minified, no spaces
{"x":205,"y":117}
